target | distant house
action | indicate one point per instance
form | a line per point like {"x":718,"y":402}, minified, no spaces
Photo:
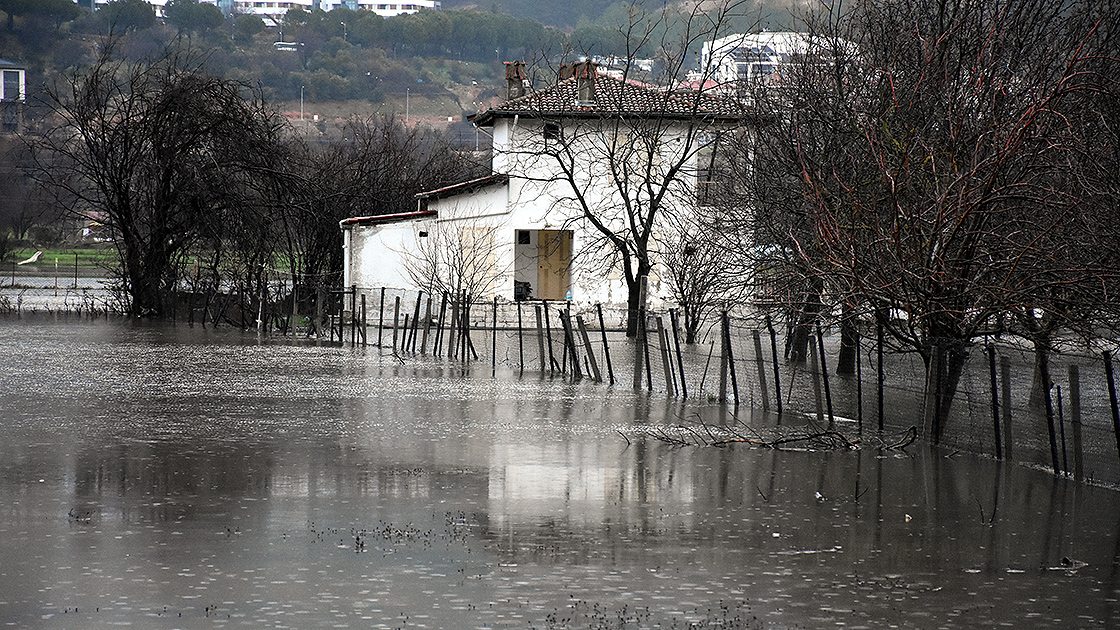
{"x":583,"y":142}
{"x":13,"y":96}
{"x":273,"y":10}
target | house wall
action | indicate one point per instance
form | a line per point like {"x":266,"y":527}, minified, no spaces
{"x":539,"y":201}
{"x":374,"y":255}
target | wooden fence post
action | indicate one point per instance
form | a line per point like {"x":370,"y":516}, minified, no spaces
{"x":548,"y":336}
{"x":680,"y":357}
{"x":540,"y":337}
{"x":731,"y":358}
{"x":1075,"y":421}
{"x":725,"y":343}
{"x":824,"y":377}
{"x":665,"y":357}
{"x":427,"y":325}
{"x":520,"y":342}
{"x":995,"y":400}
{"x":589,"y":350}
{"x":453,"y":326}
{"x":381,"y":317}
{"x":761,"y":365}
{"x":396,"y":319}
{"x":437,"y":343}
{"x":815,"y":374}
{"x":1005,"y":398}
{"x":777,"y":371}
{"x":1112,"y":397}
{"x":606,"y":348}
{"x":415,"y":323}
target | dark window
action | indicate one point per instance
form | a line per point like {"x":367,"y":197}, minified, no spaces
{"x":11,"y":85}
{"x":523,"y":237}
{"x":551,"y":131}
{"x":423,"y":234}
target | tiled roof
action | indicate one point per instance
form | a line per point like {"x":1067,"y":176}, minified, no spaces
{"x":614,"y":97}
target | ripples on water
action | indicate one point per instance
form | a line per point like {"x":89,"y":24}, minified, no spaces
{"x":168,"y":477}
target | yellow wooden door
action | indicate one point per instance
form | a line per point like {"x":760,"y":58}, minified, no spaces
{"x":554,"y":262}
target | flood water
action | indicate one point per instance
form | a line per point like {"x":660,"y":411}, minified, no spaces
{"x":164,"y":477}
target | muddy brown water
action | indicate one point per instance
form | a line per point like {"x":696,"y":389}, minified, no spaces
{"x":155,"y":476}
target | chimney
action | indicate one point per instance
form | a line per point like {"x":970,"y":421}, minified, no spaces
{"x":515,"y":79}
{"x":585,"y":72}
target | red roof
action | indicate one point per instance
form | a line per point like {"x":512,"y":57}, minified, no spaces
{"x":615,"y":97}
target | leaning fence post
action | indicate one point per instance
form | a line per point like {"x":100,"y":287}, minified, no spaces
{"x":761,"y":365}
{"x":1075,"y":421}
{"x":824,"y":377}
{"x":815,"y":373}
{"x":680,"y":357}
{"x":363,"y":319}
{"x":731,"y":358}
{"x":415,"y":323}
{"x":494,"y":341}
{"x":548,"y":333}
{"x":570,"y":345}
{"x":588,"y":349}
{"x":1112,"y":397}
{"x":606,"y":348}
{"x":669,"y":389}
{"x":777,"y":370}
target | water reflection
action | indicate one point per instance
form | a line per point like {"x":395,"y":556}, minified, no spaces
{"x":150,"y":472}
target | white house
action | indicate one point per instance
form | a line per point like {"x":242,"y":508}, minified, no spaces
{"x":584,"y":170}
{"x":13,"y":96}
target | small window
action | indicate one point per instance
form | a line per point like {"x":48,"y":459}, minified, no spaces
{"x":551,"y":131}
{"x":423,"y":234}
{"x":523,"y":237}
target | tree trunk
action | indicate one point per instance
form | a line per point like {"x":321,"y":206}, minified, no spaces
{"x":951,"y":356}
{"x":849,"y":344}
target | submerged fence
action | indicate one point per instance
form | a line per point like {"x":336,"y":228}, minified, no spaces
{"x":739,"y":360}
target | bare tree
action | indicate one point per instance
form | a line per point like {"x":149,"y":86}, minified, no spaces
{"x":377,"y":169}
{"x":618,"y":153}
{"x":456,"y":258}
{"x":150,"y":147}
{"x":930,"y":148}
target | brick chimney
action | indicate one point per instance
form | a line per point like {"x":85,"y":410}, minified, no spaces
{"x":516,"y":79}
{"x":584,"y":72}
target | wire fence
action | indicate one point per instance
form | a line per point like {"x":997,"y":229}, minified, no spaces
{"x":1000,"y":412}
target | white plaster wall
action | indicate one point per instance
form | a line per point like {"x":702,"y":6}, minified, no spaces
{"x":540,"y":201}
{"x":377,"y":252}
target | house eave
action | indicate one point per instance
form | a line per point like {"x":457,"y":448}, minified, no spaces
{"x":383,"y":219}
